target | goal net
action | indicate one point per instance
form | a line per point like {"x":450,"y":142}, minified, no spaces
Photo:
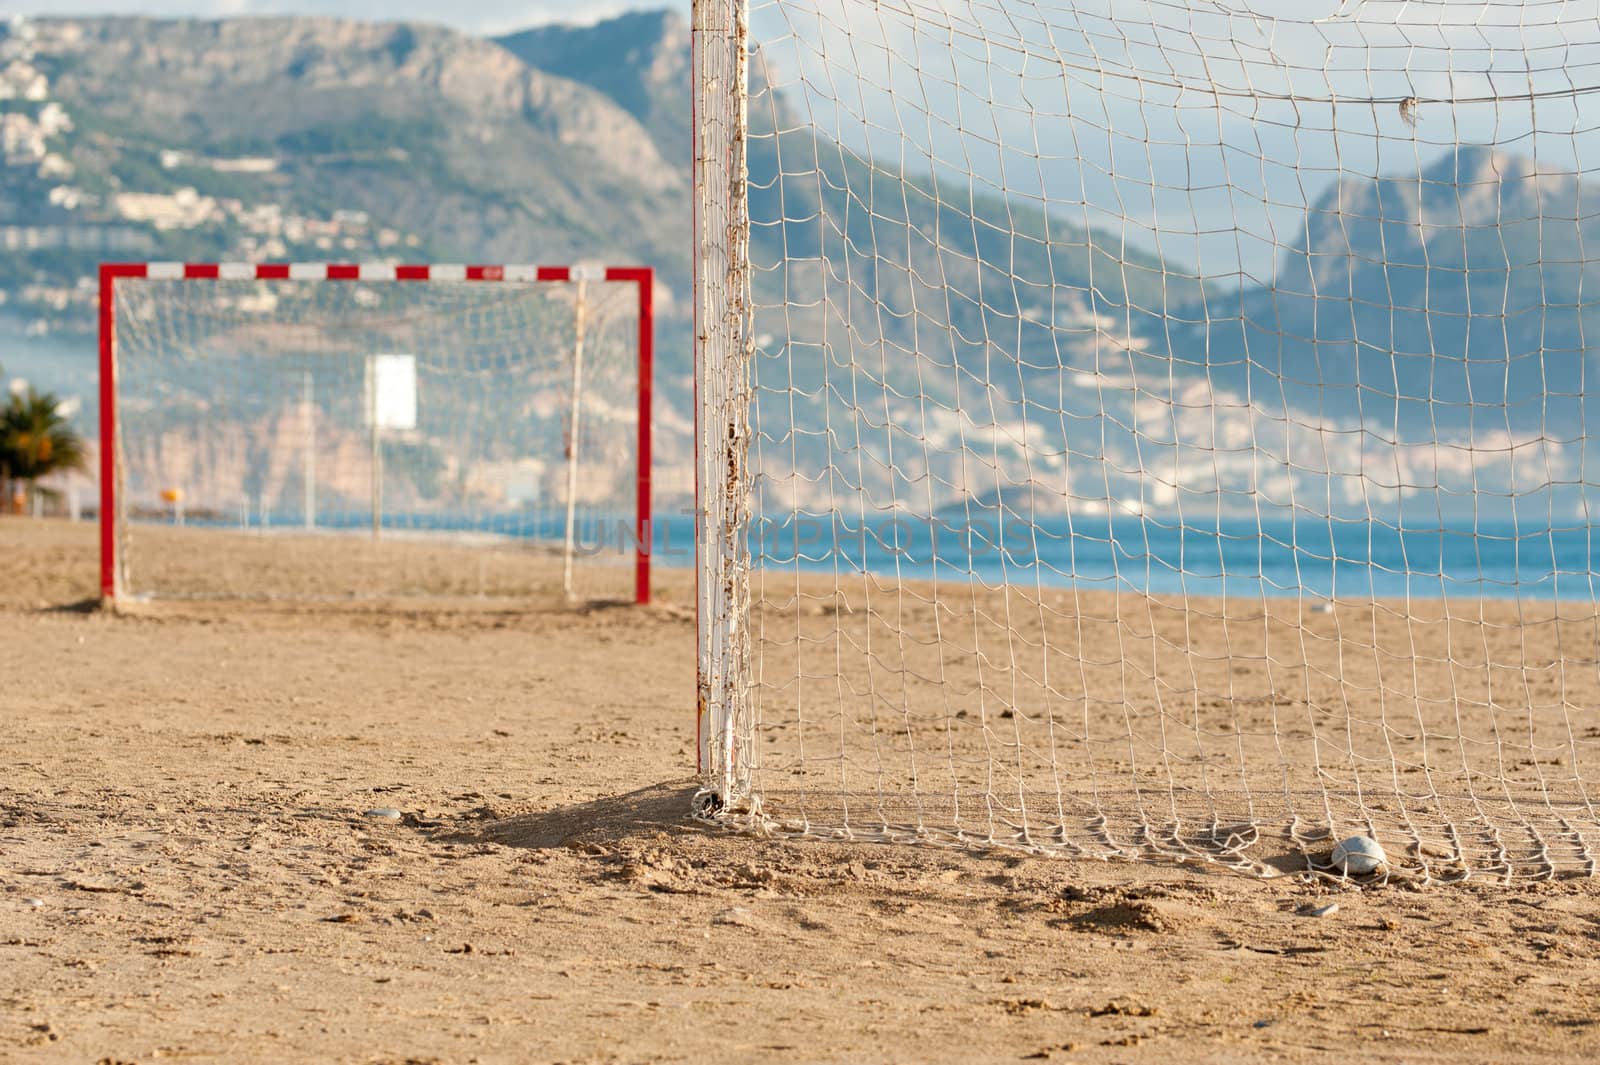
{"x":326,"y":432}
{"x":1152,"y":430}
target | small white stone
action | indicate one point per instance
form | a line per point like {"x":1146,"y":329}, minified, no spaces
{"x":1358,"y":856}
{"x":384,"y":813}
{"x":738,"y":916}
{"x":33,"y":904}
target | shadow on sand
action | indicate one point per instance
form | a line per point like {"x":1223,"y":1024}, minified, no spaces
{"x":659,"y":808}
{"x":78,"y":606}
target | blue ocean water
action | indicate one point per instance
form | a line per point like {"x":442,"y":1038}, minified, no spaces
{"x":1241,"y":557}
{"x":1351,"y":559}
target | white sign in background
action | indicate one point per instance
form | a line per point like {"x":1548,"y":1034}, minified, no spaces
{"x":392,"y":391}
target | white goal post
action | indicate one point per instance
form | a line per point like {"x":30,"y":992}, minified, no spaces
{"x":334,"y":431}
{"x":1148,"y":430}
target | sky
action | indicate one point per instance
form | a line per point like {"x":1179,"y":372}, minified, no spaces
{"x":476,"y":16}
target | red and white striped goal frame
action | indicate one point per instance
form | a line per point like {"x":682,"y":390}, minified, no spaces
{"x":111,"y":273}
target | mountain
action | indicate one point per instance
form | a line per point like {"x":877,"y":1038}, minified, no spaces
{"x":917,"y":314}
{"x":639,"y":60}
{"x":429,"y":132}
{"x":1421,"y":350}
{"x":1455,"y":292}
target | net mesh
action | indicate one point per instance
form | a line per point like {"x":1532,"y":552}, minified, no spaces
{"x":1160,"y":428}
{"x":304,"y":440}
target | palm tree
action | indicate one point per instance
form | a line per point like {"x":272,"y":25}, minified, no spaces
{"x":35,"y":441}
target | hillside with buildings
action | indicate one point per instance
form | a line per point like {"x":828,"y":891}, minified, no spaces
{"x":309,"y":139}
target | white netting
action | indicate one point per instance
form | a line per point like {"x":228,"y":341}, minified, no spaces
{"x":250,"y":466}
{"x":1160,"y":429}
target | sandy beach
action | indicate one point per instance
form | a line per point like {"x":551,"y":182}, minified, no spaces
{"x":188,"y":871}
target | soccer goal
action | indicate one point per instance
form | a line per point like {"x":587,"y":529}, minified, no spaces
{"x":1150,"y":430}
{"x":314,"y":432}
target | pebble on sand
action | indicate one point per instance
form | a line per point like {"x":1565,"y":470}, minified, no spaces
{"x":383,"y":813}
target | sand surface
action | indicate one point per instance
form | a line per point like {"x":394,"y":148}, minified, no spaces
{"x":1462,"y":733}
{"x":186,"y":874}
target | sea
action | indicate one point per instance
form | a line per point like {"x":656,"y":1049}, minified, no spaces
{"x":1322,"y":558}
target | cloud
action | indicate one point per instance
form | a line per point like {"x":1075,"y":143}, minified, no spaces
{"x":480,"y":16}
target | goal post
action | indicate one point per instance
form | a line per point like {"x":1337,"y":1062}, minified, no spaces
{"x":723,"y":349}
{"x":1151,"y":430}
{"x":255,"y":417}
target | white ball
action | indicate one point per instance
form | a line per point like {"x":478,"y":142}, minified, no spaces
{"x":1358,"y":856}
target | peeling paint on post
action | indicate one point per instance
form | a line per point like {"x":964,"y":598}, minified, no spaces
{"x":723,"y":358}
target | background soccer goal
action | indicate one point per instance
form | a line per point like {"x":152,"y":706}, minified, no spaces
{"x":407,"y":431}
{"x":1152,"y":430}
